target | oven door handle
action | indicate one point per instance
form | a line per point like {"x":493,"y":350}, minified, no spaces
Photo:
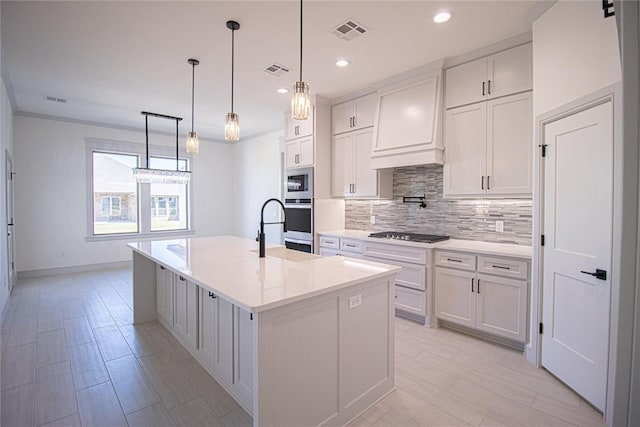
{"x":302,"y":242}
{"x":298,"y":206}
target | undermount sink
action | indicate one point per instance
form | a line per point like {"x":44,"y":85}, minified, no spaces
{"x":287,"y":254}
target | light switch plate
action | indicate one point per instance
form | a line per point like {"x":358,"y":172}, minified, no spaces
{"x":355,"y":301}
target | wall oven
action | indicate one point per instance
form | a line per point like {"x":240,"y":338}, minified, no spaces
{"x":299,"y":183}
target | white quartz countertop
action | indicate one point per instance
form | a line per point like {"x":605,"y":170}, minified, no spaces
{"x":475,"y":246}
{"x":230,"y":267}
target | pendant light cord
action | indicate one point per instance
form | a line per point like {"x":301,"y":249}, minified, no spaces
{"x":146,"y":136}
{"x":177,"y":143}
{"x":300,"y":40}
{"x":193,"y":79}
{"x":233,"y":32}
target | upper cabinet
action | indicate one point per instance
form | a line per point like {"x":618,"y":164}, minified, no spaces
{"x":353,"y":115}
{"x":501,"y":74}
{"x":408,"y":130}
{"x":297,"y":128}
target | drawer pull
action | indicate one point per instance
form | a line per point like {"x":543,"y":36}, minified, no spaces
{"x":329,"y":242}
{"x":454,"y":260}
{"x":501,"y":267}
{"x":350,"y":245}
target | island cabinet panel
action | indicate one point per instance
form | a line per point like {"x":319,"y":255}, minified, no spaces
{"x":164,"y":295}
{"x":186,"y":311}
{"x":223,"y":358}
{"x":208,"y":328}
{"x":244,"y":353}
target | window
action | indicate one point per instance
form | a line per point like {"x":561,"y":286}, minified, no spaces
{"x":122,"y":206}
{"x":115,"y":194}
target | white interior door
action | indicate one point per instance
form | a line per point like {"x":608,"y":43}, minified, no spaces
{"x":9,"y":206}
{"x":578,"y":226}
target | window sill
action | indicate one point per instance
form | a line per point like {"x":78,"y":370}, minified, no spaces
{"x":140,"y":236}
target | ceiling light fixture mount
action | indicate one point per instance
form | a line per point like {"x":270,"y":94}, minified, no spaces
{"x":232,"y":120}
{"x":300,"y":102}
{"x":441,"y":17}
{"x":193,"y":143}
{"x":149,"y":175}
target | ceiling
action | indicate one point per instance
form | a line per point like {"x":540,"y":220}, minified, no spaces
{"x":111,"y":60}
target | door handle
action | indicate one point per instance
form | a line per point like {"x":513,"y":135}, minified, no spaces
{"x":599,"y":274}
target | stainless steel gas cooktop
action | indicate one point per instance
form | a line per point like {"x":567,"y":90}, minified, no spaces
{"x":411,"y":237}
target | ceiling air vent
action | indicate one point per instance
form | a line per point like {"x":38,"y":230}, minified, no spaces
{"x":276,"y":69}
{"x":55,"y":99}
{"x":349,"y":30}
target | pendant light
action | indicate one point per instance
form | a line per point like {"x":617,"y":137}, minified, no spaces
{"x":232,"y":120}
{"x":149,"y":175}
{"x":300,"y":103}
{"x":193,"y":144}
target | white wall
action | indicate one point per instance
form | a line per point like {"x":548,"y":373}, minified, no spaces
{"x":575,"y":53}
{"x":51,"y":191}
{"x":257,"y":176}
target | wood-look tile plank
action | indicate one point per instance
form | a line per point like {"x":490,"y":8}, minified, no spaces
{"x":70,"y":421}
{"x":23,"y":331}
{"x":78,"y":331}
{"x":73,"y":308}
{"x":18,"y":406}
{"x":195,"y":413}
{"x":156,"y":416}
{"x":55,"y":395}
{"x":130,"y":383}
{"x":87,"y":366}
{"x":169,"y":380}
{"x":111,"y":342}
{"x":582,"y":416}
{"x":52,"y":347}
{"x":216,"y":397}
{"x":99,"y":407}
{"x":237,"y":418}
{"x":18,"y":366}
{"x":50,"y":320}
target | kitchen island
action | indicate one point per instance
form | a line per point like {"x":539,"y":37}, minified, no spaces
{"x":296,"y":339}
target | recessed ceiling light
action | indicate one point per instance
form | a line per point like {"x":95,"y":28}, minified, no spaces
{"x":342,"y":63}
{"x":442,"y":17}
{"x":282,"y":90}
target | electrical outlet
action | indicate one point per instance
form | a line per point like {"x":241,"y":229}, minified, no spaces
{"x":372,"y":220}
{"x":500,"y":226}
{"x":355,"y":301}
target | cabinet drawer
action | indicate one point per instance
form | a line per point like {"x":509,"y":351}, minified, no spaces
{"x":395,"y":252}
{"x":329,"y":252}
{"x":411,"y":301}
{"x":456,"y":260}
{"x":351,"y":245}
{"x":329,"y":242}
{"x":411,"y":275}
{"x":503,"y":267}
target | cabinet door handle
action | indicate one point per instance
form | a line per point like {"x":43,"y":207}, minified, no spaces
{"x":478,"y":285}
{"x":482,"y":88}
{"x":350,"y":245}
{"x":501,"y":267}
{"x":354,"y":122}
{"x":488,"y":186}
{"x":354,"y":188}
{"x":489,"y":87}
{"x":182,"y":279}
{"x":472,"y":279}
{"x":454,"y":260}
{"x":482,"y":183}
{"x":350,"y":122}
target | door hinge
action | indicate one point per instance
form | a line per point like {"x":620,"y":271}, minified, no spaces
{"x":541,"y":328}
{"x":542,"y":240}
{"x":544,"y":149}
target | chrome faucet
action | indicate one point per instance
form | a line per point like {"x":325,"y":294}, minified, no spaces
{"x":261,"y":236}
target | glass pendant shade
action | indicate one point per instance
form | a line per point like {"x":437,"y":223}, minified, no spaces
{"x":232,"y":127}
{"x":300,"y":103}
{"x":193,"y":143}
{"x":145,"y":176}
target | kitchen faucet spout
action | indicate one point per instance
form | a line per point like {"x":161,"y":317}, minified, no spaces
{"x":261,"y":235}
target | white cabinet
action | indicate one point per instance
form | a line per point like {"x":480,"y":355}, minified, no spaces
{"x":333,"y":245}
{"x":297,"y":128}
{"x":186,"y":311}
{"x":489,"y":148}
{"x":494,"y":303}
{"x":355,"y":114}
{"x":352,"y":175}
{"x":299,"y":152}
{"x":164,"y":295}
{"x":408,"y":124}
{"x":244,"y":353}
{"x":497,"y":75}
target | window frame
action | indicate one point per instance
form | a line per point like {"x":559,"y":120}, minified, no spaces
{"x":143,"y":189}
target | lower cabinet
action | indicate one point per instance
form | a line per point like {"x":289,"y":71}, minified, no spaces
{"x":164,"y":295}
{"x":496,"y":305}
{"x":186,"y":311}
{"x":411,"y":301}
{"x":226,"y":345}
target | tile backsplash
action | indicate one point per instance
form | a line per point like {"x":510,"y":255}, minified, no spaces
{"x":461,"y":219}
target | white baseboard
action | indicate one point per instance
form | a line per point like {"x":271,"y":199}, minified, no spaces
{"x":30,"y":274}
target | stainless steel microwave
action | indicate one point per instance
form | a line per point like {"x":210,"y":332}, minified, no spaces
{"x":299,"y":183}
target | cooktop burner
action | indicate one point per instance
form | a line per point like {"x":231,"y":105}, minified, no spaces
{"x":411,"y":237}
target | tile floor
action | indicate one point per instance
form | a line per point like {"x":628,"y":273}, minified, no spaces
{"x":71,"y":357}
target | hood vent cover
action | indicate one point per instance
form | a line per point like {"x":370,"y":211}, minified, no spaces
{"x":276,"y":69}
{"x":349,"y":30}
